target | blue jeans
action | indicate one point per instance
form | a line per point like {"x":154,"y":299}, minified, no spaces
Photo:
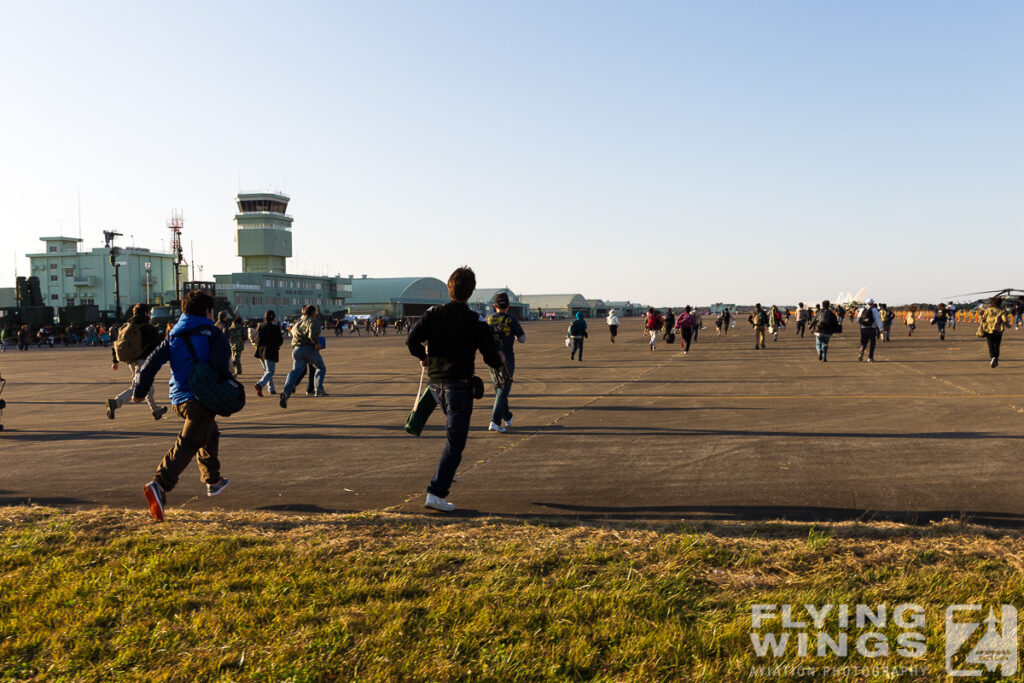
{"x":268,"y":373}
{"x":577,"y":345}
{"x":456,"y":401}
{"x":821,"y":345}
{"x":300,"y":356}
{"x":500,"y":411}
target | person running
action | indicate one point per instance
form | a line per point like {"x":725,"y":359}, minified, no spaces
{"x":870,"y":327}
{"x":824,"y":324}
{"x":723,"y":322}
{"x":223,"y":322}
{"x":888,"y":317}
{"x":193,"y":338}
{"x":268,"y":350}
{"x":668,"y":324}
{"x":802,"y":314}
{"x":758,"y":319}
{"x":576,"y":333}
{"x":613,"y":324}
{"x":135,"y":341}
{"x":951,"y":312}
{"x":508,"y":331}
{"x":453,"y":333}
{"x":652,"y":325}
{"x":686,"y":324}
{"x":994,"y":321}
{"x":911,"y":321}
{"x":236,"y":337}
{"x":305,"y":349}
{"x":940,"y":320}
{"x":776,"y":323}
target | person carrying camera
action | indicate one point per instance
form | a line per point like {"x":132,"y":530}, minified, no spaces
{"x":453,"y":334}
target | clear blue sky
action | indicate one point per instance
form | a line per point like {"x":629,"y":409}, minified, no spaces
{"x":662,"y":152}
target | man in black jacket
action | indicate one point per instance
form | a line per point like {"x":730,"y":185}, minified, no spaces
{"x":148,"y":339}
{"x":453,"y":334}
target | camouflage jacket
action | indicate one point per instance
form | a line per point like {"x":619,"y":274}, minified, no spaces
{"x":236,"y":336}
{"x":995,"y":320}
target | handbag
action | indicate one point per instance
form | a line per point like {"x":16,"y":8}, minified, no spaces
{"x":421,"y":409}
{"x":568,"y":342}
{"x":220,"y":393}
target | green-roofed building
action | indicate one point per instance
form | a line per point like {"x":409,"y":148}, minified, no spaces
{"x":482,"y":302}
{"x":556,"y":305}
{"x":396,"y":297}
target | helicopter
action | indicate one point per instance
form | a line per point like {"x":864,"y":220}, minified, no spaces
{"x":1012,"y":295}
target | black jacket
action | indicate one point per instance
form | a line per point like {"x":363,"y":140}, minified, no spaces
{"x":453,"y":334}
{"x":150,"y":337}
{"x":268,"y":342}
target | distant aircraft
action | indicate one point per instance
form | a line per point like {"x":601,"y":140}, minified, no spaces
{"x":848,"y":298}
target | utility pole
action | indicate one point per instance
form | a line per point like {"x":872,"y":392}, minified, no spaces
{"x":108,"y":237}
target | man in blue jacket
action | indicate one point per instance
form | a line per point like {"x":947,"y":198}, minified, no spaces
{"x":199,"y":434}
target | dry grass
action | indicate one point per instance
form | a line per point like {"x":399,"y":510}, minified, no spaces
{"x":107,"y":595}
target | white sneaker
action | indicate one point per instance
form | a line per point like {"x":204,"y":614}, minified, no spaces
{"x":436,"y":503}
{"x":495,"y":427}
{"x":508,"y":422}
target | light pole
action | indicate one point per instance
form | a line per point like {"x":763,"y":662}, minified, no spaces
{"x":108,"y":236}
{"x":149,"y":266}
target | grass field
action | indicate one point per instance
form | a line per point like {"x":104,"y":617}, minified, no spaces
{"x":107,"y":595}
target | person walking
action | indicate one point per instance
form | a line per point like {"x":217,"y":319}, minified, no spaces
{"x":268,"y":349}
{"x":236,"y":337}
{"x":698,"y":323}
{"x":870,"y":327}
{"x":576,"y":333}
{"x":135,"y":341}
{"x":758,"y":319}
{"x":305,"y":349}
{"x":194,"y":338}
{"x":453,"y":333}
{"x":508,"y":331}
{"x":776,"y":324}
{"x":613,"y":324}
{"x":993,"y":322}
{"x":824,"y":324}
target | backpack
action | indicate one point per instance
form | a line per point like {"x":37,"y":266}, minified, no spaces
{"x":655,"y":322}
{"x":128,"y":347}
{"x":220,"y":393}
{"x":501,"y":323}
{"x":761,"y":318}
{"x":576,"y":328}
{"x":865,"y":318}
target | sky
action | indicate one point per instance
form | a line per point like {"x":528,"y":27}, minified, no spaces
{"x":667,"y":153}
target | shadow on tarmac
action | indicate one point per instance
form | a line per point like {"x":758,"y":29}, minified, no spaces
{"x":788,"y":513}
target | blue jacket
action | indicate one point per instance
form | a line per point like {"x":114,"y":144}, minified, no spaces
{"x":211,"y":346}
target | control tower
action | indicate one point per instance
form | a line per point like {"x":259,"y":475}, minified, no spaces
{"x":264,"y":234}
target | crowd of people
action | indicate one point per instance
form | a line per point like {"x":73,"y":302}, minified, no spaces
{"x":200,"y":345}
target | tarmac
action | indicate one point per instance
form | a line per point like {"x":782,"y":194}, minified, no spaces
{"x":927,"y":432}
